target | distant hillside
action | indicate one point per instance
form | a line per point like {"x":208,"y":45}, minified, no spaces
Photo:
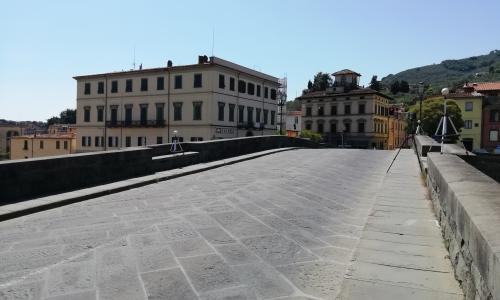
{"x":453,"y":72}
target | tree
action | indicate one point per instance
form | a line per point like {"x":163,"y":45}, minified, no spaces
{"x":432,"y":111}
{"x":374,"y":83}
{"x":395,"y":87}
{"x":321,"y":81}
{"x":309,"y":85}
{"x":67,"y":116}
{"x":404,"y":87}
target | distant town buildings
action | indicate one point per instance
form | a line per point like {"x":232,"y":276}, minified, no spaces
{"x":60,"y":140}
{"x":349,"y":115}
{"x":212,"y":99}
{"x":7,"y":132}
{"x":293,"y":123}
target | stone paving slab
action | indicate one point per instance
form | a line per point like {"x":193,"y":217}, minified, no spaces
{"x":259,"y":229}
{"x":401,"y":254}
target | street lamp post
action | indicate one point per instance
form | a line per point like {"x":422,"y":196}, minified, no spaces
{"x":421,"y":96}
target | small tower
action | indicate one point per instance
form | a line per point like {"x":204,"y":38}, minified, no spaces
{"x":346,"y":80}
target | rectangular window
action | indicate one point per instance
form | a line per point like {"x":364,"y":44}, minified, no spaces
{"x":65,"y":145}
{"x":177,"y":111}
{"x":87,"y":89}
{"x":144,"y":114}
{"x":128,"y":85}
{"x":250,"y":114}
{"x":469,"y":106}
{"x":361,"y":109}
{"x":320,"y":128}
{"x":41,"y":144}
{"x":347,"y":109}
{"x":494,"y":116}
{"x":178,"y":82}
{"x":116,"y":141}
{"x":100,"y":114}
{"x":231,"y":112}
{"x":467,"y":124}
{"x":242,"y":86}
{"x":139,"y":141}
{"x":321,"y":111}
{"x":159,"y":140}
{"x":86,"y":114}
{"x":258,"y":90}
{"x":266,"y":92}
{"x":308,"y":111}
{"x":197,"y":111}
{"x":159,"y":114}
{"x":84,"y":141}
{"x":197,"y":81}
{"x":266,"y":112}
{"x":257,"y":115}
{"x":333,"y":127}
{"x":58,"y":145}
{"x":222,"y":83}
{"x":273,"y":94}
{"x":114,"y":115}
{"x":128,"y":141}
{"x":251,"y":88}
{"x":114,"y":86}
{"x":273,"y":117}
{"x":361,"y":127}
{"x":128,"y":115}
{"x":144,"y":84}
{"x":333,"y":110}
{"x":160,"y":83}
{"x":308,"y":126}
{"x":347,"y":127}
{"x":221,"y":111}
{"x":493,"y":135}
{"x":231,"y":84}
{"x":100,"y":87}
{"x":96,"y":141}
{"x":110,"y":141}
{"x":241,"y":110}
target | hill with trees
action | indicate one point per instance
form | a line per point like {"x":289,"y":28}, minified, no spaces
{"x":449,"y":73}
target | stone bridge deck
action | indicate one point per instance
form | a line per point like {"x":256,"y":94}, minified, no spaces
{"x":303,"y":224}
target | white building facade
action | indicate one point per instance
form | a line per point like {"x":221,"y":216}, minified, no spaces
{"x":213,"y":99}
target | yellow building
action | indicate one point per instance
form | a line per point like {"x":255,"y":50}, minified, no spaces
{"x":472,"y":111}
{"x":29,"y":146}
{"x":397,"y":131}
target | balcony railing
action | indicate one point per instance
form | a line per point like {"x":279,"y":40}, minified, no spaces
{"x":143,"y":123}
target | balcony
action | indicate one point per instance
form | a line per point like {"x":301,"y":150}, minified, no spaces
{"x":136,"y":124}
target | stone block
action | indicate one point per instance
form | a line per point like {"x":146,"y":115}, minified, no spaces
{"x":190,"y":247}
{"x":70,"y":278}
{"x":167,"y":284}
{"x":216,"y":235}
{"x":236,"y":254}
{"x":264,"y":280}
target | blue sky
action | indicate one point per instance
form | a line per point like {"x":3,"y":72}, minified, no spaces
{"x":43,"y":44}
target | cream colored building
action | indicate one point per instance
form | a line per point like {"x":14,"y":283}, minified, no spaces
{"x":7,"y":132}
{"x":347,"y":114}
{"x":212,"y":99}
{"x":29,"y":146}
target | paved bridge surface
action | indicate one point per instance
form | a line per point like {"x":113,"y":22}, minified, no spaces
{"x":303,"y":224}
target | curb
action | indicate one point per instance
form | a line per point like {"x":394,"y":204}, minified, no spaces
{"x":16,"y":210}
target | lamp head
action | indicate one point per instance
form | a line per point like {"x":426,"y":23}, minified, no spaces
{"x":445,"y":92}
{"x":175,"y":132}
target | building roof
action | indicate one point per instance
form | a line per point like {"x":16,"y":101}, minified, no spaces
{"x":484,"y":86}
{"x":345,"y":72}
{"x":214,"y":61}
{"x":46,"y":136}
{"x":324,"y":94}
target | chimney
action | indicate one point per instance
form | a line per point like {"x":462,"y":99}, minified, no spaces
{"x":169,"y":64}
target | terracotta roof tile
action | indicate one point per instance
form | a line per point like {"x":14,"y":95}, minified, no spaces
{"x":484,"y":86}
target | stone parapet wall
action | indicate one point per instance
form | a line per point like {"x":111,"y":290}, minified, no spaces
{"x":467,"y":205}
{"x":31,"y":178}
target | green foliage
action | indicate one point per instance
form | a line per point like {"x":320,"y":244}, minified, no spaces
{"x":395,"y":87}
{"x":67,"y":116}
{"x":321,"y":82}
{"x":293,"y":105}
{"x":375,"y":84}
{"x":432,"y":111}
{"x":404,"y":87}
{"x":307,"y":134}
{"x":451,"y":73}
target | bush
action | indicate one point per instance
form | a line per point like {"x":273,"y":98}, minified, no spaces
{"x":307,"y":134}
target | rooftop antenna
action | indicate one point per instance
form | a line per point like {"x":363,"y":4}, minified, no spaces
{"x":134,"y":59}
{"x":213,"y":40}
